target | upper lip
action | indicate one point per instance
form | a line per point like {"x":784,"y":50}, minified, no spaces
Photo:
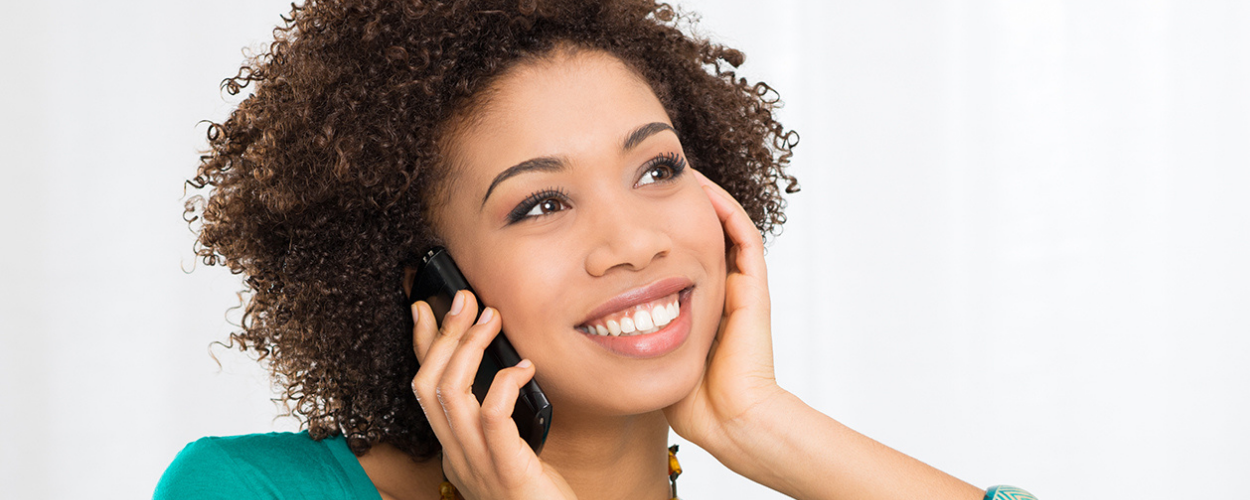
{"x":641,"y":295}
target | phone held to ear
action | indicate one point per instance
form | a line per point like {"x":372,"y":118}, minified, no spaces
{"x":437,"y":283}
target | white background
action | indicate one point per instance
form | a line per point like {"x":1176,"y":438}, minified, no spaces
{"x":1020,"y":252}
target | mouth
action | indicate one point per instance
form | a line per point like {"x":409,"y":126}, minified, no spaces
{"x":660,"y":317}
{"x":639,"y":319}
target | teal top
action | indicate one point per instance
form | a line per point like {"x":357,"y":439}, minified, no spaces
{"x":289,"y":466}
{"x":274,"y":466}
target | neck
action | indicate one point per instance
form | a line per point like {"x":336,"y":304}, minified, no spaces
{"x":613,"y":457}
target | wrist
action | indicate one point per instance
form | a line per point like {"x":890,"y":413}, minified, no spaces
{"x":757,"y":443}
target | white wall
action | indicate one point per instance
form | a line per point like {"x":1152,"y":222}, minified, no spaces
{"x":1019,"y":253}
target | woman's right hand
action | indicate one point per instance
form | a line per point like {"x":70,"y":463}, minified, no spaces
{"x":483,"y":453}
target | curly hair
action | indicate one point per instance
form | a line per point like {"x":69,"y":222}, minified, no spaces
{"x":320,"y":182}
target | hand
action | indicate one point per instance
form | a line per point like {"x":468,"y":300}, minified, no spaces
{"x":740,"y":415}
{"x":483,"y":453}
{"x":739,"y":378}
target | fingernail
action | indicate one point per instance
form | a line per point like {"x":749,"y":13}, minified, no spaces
{"x":416,"y":312}
{"x":487,"y":315}
{"x":457,"y":304}
{"x":525,"y":363}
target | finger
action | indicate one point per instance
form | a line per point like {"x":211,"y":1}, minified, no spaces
{"x":442,"y":346}
{"x":424,"y":329}
{"x":443,"y":342}
{"x":749,"y":245}
{"x":746,"y":289}
{"x":700,"y":177}
{"x":502,"y":437}
{"x":455,"y":388}
{"x":460,"y":315}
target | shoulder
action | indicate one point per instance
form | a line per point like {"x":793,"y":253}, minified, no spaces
{"x":261,"y":466}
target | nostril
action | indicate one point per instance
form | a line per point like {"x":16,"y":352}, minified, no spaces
{"x":632,"y":244}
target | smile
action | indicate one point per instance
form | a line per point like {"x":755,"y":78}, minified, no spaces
{"x":641,"y":319}
{"x":645,"y":322}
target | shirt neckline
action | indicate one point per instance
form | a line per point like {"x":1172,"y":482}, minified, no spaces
{"x":361,"y":486}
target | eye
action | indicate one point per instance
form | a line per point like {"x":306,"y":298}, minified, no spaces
{"x":658,"y":173}
{"x":545,"y":207}
{"x":545,"y":202}
{"x":662,"y":168}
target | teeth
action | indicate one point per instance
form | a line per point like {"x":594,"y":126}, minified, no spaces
{"x":660,"y":315}
{"x":638,"y":320}
{"x":642,"y":319}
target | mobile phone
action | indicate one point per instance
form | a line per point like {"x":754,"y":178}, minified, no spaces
{"x":437,"y":282}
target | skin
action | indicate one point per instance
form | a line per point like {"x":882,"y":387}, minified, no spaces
{"x":612,"y":230}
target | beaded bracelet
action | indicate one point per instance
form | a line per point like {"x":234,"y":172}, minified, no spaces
{"x":1007,"y":493}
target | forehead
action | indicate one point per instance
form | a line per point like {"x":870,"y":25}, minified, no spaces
{"x":569,"y":104}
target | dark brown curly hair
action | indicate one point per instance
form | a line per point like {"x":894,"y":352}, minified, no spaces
{"x":320,"y":182}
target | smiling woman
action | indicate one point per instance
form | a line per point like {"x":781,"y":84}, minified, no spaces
{"x":589,"y":219}
{"x":604,"y":181}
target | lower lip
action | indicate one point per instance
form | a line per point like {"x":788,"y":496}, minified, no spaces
{"x":655,"y":344}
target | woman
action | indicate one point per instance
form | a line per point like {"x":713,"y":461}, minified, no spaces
{"x":601,"y":178}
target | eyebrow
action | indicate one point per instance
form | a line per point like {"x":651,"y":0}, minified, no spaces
{"x":642,"y":133}
{"x":554,"y":164}
{"x":541,"y":164}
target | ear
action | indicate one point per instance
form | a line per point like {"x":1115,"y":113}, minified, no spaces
{"x":410,"y":276}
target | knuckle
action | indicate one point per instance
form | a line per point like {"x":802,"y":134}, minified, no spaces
{"x":417,"y":391}
{"x":494,"y":414}
{"x":505,"y":377}
{"x":440,"y":395}
{"x":421,"y":381}
{"x":475,"y":335}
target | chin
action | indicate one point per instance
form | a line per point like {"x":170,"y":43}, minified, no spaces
{"x":657,"y":394}
{"x":640,"y":397}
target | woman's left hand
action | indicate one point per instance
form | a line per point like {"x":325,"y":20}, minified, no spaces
{"x":739,"y":379}
{"x":739,"y":414}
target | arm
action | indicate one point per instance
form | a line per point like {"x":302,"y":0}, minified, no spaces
{"x":792,"y":448}
{"x":740,"y":415}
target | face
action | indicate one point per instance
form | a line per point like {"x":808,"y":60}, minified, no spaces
{"x":573,"y":213}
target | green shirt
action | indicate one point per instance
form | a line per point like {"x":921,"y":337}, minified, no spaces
{"x":278,"y":465}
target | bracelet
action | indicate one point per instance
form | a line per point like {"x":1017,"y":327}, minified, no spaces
{"x":1007,"y":493}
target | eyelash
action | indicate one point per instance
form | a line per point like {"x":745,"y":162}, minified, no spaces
{"x":676,"y":163}
{"x":673,"y":161}
{"x":518,"y":214}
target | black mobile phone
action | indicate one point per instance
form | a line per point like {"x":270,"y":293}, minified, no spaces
{"x":437,"y":282}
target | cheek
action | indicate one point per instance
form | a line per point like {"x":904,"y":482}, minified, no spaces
{"x":528,"y":284}
{"x":703,"y":238}
{"x":700,"y":230}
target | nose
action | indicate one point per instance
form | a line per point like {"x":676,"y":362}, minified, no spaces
{"x":625,"y":238}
